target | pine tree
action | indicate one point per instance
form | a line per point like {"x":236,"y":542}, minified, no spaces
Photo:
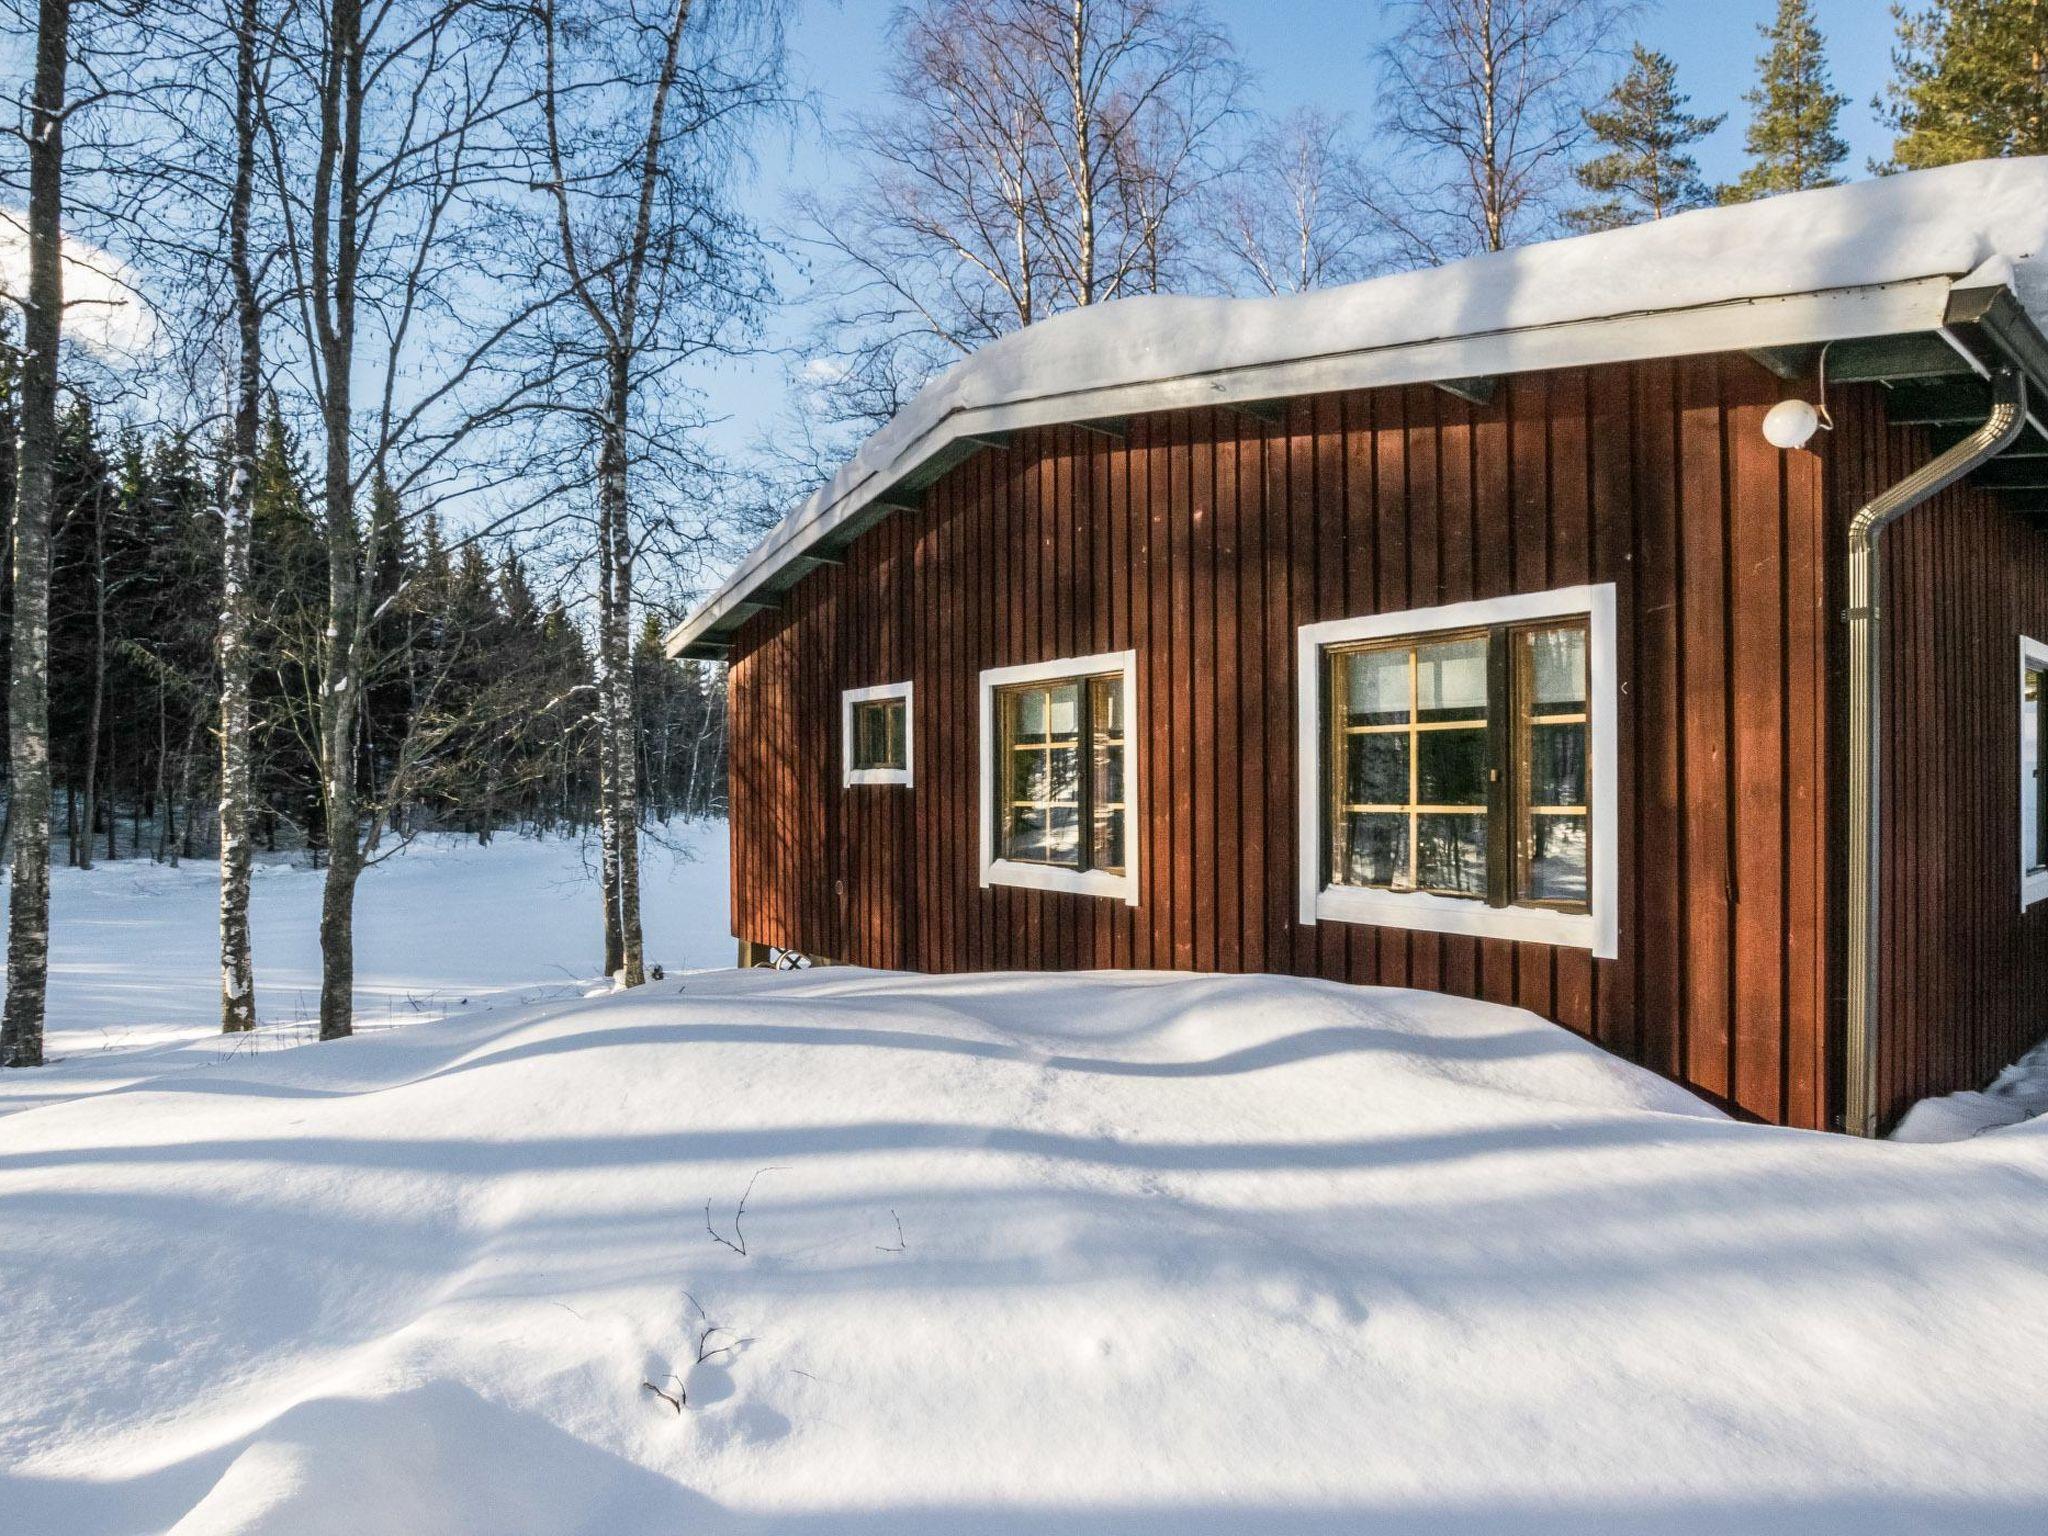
{"x":288,"y":592}
{"x":1645,"y":129}
{"x":1972,"y":83}
{"x":88,"y":568}
{"x":1794,"y":111}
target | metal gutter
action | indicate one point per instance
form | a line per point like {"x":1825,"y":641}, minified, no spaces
{"x":1865,"y":615}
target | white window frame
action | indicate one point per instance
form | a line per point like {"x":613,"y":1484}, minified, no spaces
{"x":853,"y":696}
{"x":1047,"y":877}
{"x":2033,"y":657}
{"x":1598,"y":928}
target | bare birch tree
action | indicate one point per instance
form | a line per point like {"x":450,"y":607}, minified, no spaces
{"x":1116,"y":89}
{"x":382,"y":169}
{"x":1484,"y":103}
{"x":1295,"y":213}
{"x":210,"y":241}
{"x":28,"y":678}
{"x":1037,"y":157}
{"x":639,"y":107}
{"x":237,"y":966}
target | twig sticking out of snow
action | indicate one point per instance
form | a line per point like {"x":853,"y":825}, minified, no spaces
{"x":676,"y":1402}
{"x":738,"y":1241}
{"x":900,"y":1244}
{"x":704,"y":1338}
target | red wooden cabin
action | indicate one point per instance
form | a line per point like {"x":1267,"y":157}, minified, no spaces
{"x":1462,"y":630}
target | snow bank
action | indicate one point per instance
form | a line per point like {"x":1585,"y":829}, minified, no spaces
{"x":1943,"y":222}
{"x":1113,"y":1253}
{"x":2019,"y":1094}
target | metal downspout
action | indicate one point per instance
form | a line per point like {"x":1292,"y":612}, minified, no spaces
{"x":1866,"y":721}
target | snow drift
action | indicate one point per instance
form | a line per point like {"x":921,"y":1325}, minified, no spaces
{"x":1110,"y":1253}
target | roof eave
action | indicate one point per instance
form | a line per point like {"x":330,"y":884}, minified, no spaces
{"x":1734,"y":325}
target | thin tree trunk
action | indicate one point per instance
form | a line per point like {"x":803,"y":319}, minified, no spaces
{"x":337,"y":201}
{"x":180,"y":842}
{"x":617,"y":643}
{"x":163,"y":758}
{"x":28,"y":692}
{"x":1084,"y":147}
{"x":81,"y":852}
{"x":607,"y":753}
{"x":237,"y":964}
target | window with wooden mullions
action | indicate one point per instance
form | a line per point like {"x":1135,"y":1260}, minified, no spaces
{"x":2034,"y":806}
{"x":2033,"y":772}
{"x":1062,"y":766}
{"x":878,"y":734}
{"x":1458,"y":765}
{"x":880,"y":740}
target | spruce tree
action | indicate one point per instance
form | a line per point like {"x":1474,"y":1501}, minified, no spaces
{"x":1793,"y":142}
{"x":1972,"y":83}
{"x":1645,"y":172}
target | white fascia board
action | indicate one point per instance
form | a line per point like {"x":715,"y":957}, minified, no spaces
{"x":1045,"y":877}
{"x":1884,"y":309}
{"x":1598,"y":930}
{"x":850,"y":775}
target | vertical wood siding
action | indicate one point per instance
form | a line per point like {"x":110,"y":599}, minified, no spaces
{"x":1203,"y":542}
{"x":1963,"y":980}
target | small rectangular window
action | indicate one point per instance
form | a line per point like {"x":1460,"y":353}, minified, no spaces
{"x":879,"y":737}
{"x":1460,"y":765}
{"x":878,"y":734}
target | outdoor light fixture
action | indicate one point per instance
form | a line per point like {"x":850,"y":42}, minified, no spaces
{"x":1792,"y":423}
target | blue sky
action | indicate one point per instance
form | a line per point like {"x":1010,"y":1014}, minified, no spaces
{"x":1301,"y":52}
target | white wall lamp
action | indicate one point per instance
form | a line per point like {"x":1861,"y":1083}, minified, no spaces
{"x":1792,"y":423}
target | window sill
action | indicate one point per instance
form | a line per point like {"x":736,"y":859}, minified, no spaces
{"x":2033,"y":888}
{"x":1450,"y":914}
{"x":1047,"y":877}
{"x":877,"y":776}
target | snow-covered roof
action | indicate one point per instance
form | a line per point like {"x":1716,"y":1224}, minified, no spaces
{"x":1873,"y":258}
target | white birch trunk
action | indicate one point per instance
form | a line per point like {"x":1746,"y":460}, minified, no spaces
{"x":28,"y":697}
{"x":237,"y":966}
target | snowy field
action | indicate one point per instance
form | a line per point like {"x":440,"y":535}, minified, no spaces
{"x":1127,"y":1254}
{"x":442,"y":927}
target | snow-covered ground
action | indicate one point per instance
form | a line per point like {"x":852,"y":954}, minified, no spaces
{"x":1106,"y":1254}
{"x":2019,"y":1093}
{"x":442,"y":926}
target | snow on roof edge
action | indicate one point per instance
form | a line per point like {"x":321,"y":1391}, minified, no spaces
{"x":1862,"y":245}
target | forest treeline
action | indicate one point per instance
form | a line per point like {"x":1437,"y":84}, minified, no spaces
{"x":486,"y":682}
